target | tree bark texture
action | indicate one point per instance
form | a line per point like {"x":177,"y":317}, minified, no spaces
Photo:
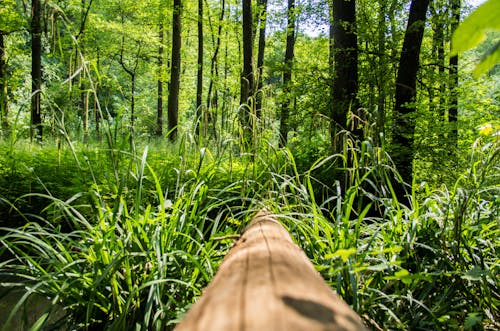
{"x":345,"y":80}
{"x":212,"y":94}
{"x":131,"y":70}
{"x":175,"y":71}
{"x":439,"y":16}
{"x":383,"y":73}
{"x":247,"y":77}
{"x":266,"y":282}
{"x":4,"y":102}
{"x":453,"y":109}
{"x":287,"y":73}
{"x":406,"y":81}
{"x":159,"y":107}
{"x":36,"y":70}
{"x":200,"y":127}
{"x":260,"y":55}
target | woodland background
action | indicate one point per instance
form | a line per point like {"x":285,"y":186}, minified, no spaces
{"x":133,"y":133}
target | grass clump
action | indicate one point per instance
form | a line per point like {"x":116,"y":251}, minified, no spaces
{"x":139,"y":242}
{"x":134,"y":248}
{"x":433,"y":265}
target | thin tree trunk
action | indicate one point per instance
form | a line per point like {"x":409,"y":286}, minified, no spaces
{"x":453,"y":109}
{"x":345,"y":81}
{"x":200,"y":128}
{"x":383,"y":71}
{"x":159,"y":117}
{"x":287,"y":73}
{"x":260,"y":55}
{"x":214,"y":72}
{"x":404,"y":112}
{"x":97,"y":113}
{"x":36,"y":71}
{"x":247,"y":77}
{"x":173,"y":96}
{"x":132,"y":101}
{"x":84,"y":93}
{"x":438,"y":24}
{"x":97,"y":104}
{"x":4,"y":102}
{"x":132,"y":73}
{"x":247,"y":82}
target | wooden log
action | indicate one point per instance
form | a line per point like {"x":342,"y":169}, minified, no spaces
{"x":266,"y":282}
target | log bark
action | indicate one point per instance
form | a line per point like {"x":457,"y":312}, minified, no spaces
{"x":266,"y":282}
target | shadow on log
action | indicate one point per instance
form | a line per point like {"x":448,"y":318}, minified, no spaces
{"x":266,"y":282}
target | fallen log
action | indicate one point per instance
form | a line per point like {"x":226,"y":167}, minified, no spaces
{"x":266,"y":282}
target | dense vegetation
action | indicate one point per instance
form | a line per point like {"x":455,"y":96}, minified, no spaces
{"x":118,"y":222}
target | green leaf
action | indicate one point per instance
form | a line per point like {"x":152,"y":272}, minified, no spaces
{"x":472,"y":320}
{"x":403,"y":275}
{"x":475,"y":274}
{"x":488,"y":61}
{"x":342,"y":253}
{"x":473,"y":29}
{"x":40,"y":322}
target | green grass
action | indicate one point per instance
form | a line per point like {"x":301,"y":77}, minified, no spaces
{"x":123,"y":238}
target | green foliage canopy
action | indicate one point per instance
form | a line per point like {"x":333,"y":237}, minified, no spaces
{"x":473,"y":31}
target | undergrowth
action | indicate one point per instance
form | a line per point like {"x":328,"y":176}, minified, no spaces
{"x":135,"y":234}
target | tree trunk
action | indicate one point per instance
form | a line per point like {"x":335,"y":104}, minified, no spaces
{"x":406,"y":81}
{"x":200,"y":128}
{"x":453,"y":109}
{"x":84,"y":93}
{"x":97,"y":114}
{"x":247,"y":77}
{"x":383,"y":73}
{"x":287,"y":73}
{"x":84,"y":96}
{"x":260,"y":55}
{"x":345,"y":80}
{"x":36,"y":71}
{"x":131,"y":71}
{"x":159,"y":116}
{"x":132,"y":101}
{"x":436,"y":102}
{"x":214,"y":73}
{"x":4,"y":103}
{"x":173,"y":96}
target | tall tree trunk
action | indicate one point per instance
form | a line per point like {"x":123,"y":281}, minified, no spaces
{"x":97,"y":104}
{"x":132,"y":72}
{"x":260,"y":55}
{"x":36,"y":70}
{"x":4,"y":102}
{"x":214,"y":72}
{"x":84,"y":99}
{"x":97,"y":114}
{"x":200,"y":127}
{"x":345,"y":80}
{"x":247,"y":77}
{"x":406,"y":81}
{"x":383,"y":72}
{"x":287,"y":73}
{"x":132,"y":101}
{"x":439,"y":14}
{"x":175,"y":71}
{"x":159,"y":109}
{"x":453,"y":109}
{"x":84,"y":93}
